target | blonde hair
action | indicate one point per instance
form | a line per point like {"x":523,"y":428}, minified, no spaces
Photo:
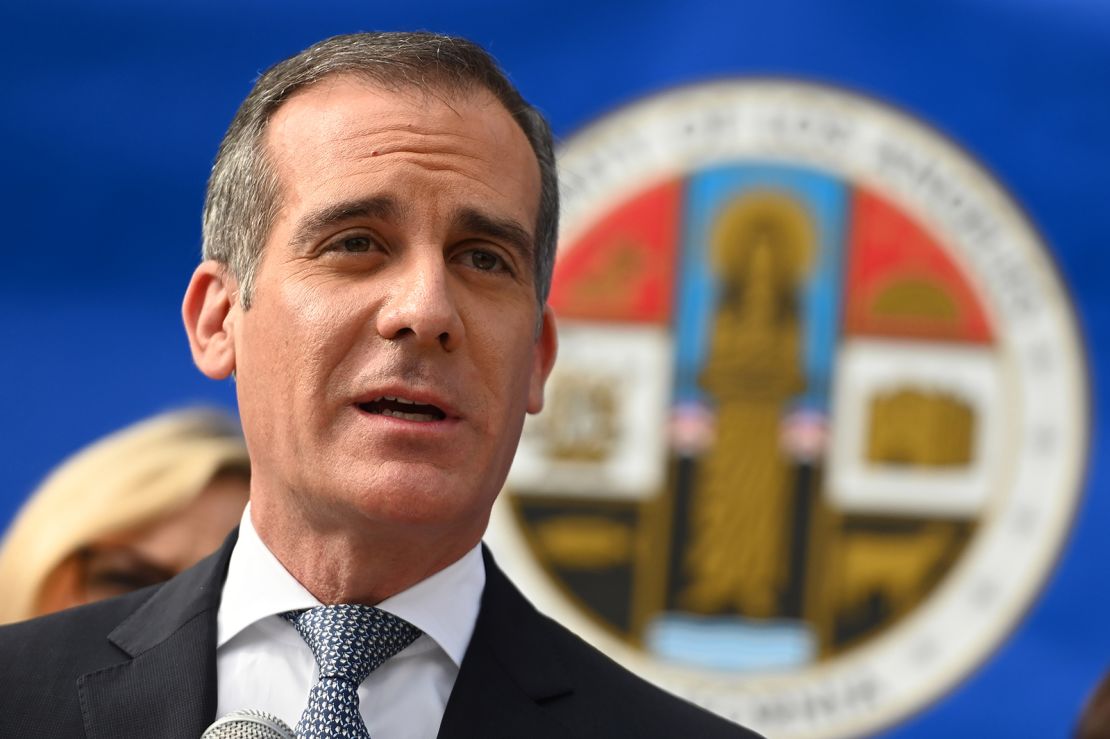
{"x":133,"y":476}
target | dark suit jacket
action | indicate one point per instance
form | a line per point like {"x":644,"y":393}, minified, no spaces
{"x":143,"y":666}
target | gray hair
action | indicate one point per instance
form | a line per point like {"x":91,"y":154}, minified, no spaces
{"x":244,"y":192}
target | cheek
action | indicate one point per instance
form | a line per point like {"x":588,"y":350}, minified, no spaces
{"x":508,"y":370}
{"x":61,"y":589}
{"x":293,"y":343}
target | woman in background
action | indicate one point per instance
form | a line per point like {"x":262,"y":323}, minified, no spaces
{"x":131,"y":510}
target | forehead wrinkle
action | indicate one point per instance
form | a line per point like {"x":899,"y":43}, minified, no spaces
{"x":408,"y":127}
{"x":417,"y":156}
{"x":434,"y":143}
{"x":421,"y":96}
{"x":417,"y":141}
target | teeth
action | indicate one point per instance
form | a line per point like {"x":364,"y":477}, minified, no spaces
{"x":398,"y":400}
{"x":408,"y":416}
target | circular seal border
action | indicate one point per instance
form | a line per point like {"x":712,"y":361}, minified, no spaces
{"x":1045,"y":383}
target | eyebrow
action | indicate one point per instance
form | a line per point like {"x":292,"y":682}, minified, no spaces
{"x":317,"y":221}
{"x":497,"y":229}
{"x":469,"y":220}
{"x":114,"y":558}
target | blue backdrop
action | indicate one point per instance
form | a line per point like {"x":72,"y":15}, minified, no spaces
{"x":113,"y":113}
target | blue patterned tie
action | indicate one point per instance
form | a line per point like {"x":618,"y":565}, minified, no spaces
{"x":349,"y":642}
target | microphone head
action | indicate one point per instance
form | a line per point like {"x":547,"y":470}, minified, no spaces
{"x":248,"y":724}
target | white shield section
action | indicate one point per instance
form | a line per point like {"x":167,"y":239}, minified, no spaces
{"x":602,"y":433}
{"x":944,"y":377}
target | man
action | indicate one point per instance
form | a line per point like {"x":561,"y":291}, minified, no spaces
{"x":379,"y":239}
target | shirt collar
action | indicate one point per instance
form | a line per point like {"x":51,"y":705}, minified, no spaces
{"x":444,"y":606}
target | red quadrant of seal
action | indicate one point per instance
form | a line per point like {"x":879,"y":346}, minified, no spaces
{"x":622,"y":268}
{"x":901,"y":283}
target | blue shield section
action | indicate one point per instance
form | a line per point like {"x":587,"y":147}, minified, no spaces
{"x":825,"y":199}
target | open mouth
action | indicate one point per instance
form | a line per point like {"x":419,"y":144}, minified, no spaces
{"x":404,"y":409}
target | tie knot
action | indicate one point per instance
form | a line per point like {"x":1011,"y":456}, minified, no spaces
{"x":350,"y":641}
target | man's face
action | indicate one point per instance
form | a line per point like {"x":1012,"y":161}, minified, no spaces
{"x":390,"y":352}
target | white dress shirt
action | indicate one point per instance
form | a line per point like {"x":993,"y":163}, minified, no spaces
{"x":262,"y":662}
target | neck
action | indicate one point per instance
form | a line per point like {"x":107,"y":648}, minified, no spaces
{"x":343,"y":563}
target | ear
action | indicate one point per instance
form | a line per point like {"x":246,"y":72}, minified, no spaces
{"x":543,"y":359}
{"x":209,"y":310}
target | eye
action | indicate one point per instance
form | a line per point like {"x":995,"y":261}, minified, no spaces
{"x":485,"y":261}
{"x":352,"y":243}
{"x":112,"y":571}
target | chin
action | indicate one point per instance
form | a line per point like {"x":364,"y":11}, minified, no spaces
{"x":420,"y":500}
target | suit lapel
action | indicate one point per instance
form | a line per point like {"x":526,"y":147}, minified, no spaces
{"x":166,"y":687}
{"x":510,"y":674}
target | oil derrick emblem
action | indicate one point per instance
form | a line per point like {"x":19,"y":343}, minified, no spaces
{"x":762,"y":247}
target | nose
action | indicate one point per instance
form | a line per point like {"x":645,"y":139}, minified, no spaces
{"x":420,"y":306}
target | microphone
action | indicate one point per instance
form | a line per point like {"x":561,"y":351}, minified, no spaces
{"x":248,"y":724}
